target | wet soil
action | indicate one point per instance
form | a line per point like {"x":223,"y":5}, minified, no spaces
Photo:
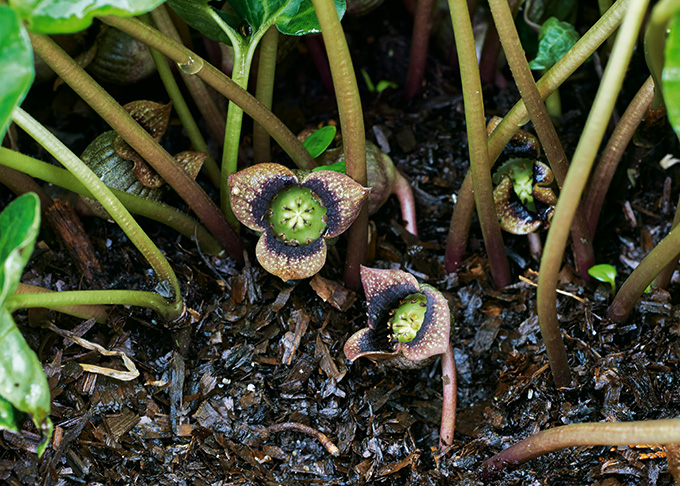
{"x":257,"y":352}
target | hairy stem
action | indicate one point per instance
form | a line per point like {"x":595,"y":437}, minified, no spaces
{"x":140,"y":140}
{"x":583,"y":248}
{"x":218,"y":80}
{"x":113,"y":206}
{"x":516,"y":117}
{"x":659,"y":432}
{"x":264,"y":92}
{"x":154,"y":210}
{"x":582,"y":163}
{"x":352,"y":126}
{"x":185,"y":116}
{"x":477,"y":142}
{"x":611,"y":156}
{"x":448,"y":424}
{"x":213,"y":116}
{"x":420,"y":39}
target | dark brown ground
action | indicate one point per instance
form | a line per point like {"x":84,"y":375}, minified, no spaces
{"x":262,"y":352}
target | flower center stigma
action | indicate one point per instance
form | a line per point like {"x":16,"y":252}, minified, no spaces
{"x":407,"y":319}
{"x":297,"y":216}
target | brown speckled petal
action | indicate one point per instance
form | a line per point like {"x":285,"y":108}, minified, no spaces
{"x":384,"y":289}
{"x":342,"y":196}
{"x":514,"y":217}
{"x":252,"y":189}
{"x":366,"y":343}
{"x":290,"y":262}
{"x":433,"y":337}
{"x":544,"y":178}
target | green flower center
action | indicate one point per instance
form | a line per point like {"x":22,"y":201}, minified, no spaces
{"x":407,"y":319}
{"x":297,"y":216}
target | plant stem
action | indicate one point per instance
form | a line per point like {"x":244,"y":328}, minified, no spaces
{"x":148,"y":208}
{"x":505,"y":24}
{"x":99,"y":312}
{"x":68,"y":301}
{"x":407,"y":203}
{"x":477,"y":142}
{"x":213,"y":116}
{"x":264,"y":92}
{"x":655,"y":44}
{"x":661,"y":432}
{"x":636,"y":283}
{"x":20,"y":183}
{"x":663,"y":280}
{"x":218,"y":80}
{"x":582,"y":163}
{"x":352,"y":126}
{"x":611,"y":156}
{"x":185,"y":116}
{"x":515,"y":118}
{"x":140,"y":140}
{"x":116,"y":210}
{"x":420,"y":39}
{"x":448,"y":423}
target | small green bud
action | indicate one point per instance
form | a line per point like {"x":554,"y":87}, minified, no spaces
{"x":297,"y":216}
{"x":406,"y":320}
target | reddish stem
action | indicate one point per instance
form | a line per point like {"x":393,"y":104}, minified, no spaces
{"x":422,"y":24}
{"x":402,"y":189}
{"x":448,"y":424}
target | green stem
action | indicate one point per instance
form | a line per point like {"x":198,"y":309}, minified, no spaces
{"x":218,"y":80}
{"x":112,"y":205}
{"x":185,"y":116}
{"x":99,"y":312}
{"x":65,"y":301}
{"x":611,"y":155}
{"x":352,"y":126}
{"x":516,"y":117}
{"x":477,"y":142}
{"x":521,"y":72}
{"x":658,"y":432}
{"x":212,"y":115}
{"x":264,"y":92}
{"x":154,"y":210}
{"x":655,"y":44}
{"x":582,"y":163}
{"x":663,"y":279}
{"x":140,"y":140}
{"x":663,"y":254}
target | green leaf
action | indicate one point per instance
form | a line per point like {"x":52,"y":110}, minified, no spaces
{"x":19,"y":225}
{"x":7,"y":420}
{"x":540,"y":10}
{"x":66,"y":16}
{"x":16,"y":65}
{"x":318,"y":142}
{"x":554,"y":40}
{"x":335,"y":167}
{"x":22,"y":379}
{"x":199,"y":15}
{"x":604,"y":273}
{"x":291,"y":17}
{"x":670,"y":75}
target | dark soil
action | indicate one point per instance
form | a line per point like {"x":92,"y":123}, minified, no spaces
{"x":260,"y":352}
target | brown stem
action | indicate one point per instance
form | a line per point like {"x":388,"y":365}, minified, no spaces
{"x":305,"y":429}
{"x":402,"y":189}
{"x":352,"y":126}
{"x":448,"y":424}
{"x":422,"y":24}
{"x":611,"y":156}
{"x":663,"y":280}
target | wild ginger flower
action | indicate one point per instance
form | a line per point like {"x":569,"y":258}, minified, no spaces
{"x":294,"y":214}
{"x":408,"y":323}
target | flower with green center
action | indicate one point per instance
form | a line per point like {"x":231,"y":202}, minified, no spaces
{"x":295,"y":213}
{"x":408,"y":323}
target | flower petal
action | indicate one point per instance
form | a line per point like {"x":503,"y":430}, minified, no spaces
{"x":433,"y":337}
{"x":290,"y":262}
{"x":342,"y":196}
{"x":514,"y":217}
{"x":384,"y":289}
{"x":367,"y":343}
{"x":252,"y":189}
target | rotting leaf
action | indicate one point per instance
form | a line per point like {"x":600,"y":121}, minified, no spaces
{"x":333,"y":292}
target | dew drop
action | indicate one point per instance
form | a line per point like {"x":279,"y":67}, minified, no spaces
{"x":192,"y":66}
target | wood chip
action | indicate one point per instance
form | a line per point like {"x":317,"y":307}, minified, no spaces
{"x":333,"y":293}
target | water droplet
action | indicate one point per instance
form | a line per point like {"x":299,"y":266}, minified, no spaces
{"x":192,"y":66}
